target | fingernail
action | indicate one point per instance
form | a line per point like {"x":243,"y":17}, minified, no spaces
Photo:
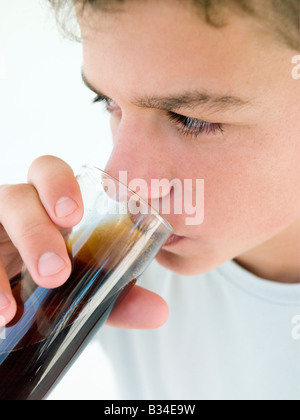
{"x":50,"y":264}
{"x":65,"y":207}
{"x":4,"y":301}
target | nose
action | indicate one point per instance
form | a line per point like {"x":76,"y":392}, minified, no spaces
{"x":138,"y":162}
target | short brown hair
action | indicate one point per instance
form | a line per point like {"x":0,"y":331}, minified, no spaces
{"x":281,"y":15}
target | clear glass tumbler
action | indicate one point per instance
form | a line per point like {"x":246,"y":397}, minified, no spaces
{"x":118,"y":237}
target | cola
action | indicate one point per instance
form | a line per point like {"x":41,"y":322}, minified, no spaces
{"x":51,"y":326}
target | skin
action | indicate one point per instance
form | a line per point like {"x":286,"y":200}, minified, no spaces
{"x":251,"y":170}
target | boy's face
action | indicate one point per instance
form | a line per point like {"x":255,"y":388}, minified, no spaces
{"x":251,"y":170}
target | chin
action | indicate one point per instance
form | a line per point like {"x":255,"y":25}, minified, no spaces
{"x":185,"y":266}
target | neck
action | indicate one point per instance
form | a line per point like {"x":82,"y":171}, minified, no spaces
{"x":278,"y":259}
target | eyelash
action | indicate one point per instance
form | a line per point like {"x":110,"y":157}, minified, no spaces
{"x":193,"y":126}
{"x":186,"y":125}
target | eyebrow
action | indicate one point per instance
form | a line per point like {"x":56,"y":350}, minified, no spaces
{"x":187,"y":100}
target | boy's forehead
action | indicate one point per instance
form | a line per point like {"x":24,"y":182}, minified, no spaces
{"x":158,"y":48}
{"x":142,"y":31}
{"x":166,"y":31}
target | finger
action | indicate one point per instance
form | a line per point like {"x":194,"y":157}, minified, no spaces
{"x":58,"y":190}
{"x":8,"y":306}
{"x":37,"y":239}
{"x":140,"y":309}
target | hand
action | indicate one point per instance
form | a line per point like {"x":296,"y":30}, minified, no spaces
{"x":31,"y":216}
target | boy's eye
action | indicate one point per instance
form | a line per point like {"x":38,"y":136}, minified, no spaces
{"x":193,"y":126}
{"x":185,"y":125}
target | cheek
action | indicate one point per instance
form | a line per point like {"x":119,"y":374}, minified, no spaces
{"x":251,"y":197}
{"x":251,"y":190}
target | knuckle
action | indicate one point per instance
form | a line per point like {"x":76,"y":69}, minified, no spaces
{"x":35,"y":229}
{"x":5,"y":192}
{"x":11,"y":192}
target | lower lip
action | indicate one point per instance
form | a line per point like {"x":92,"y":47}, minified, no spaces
{"x":173,"y":240}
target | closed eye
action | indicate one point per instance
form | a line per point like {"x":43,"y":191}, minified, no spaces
{"x":185,"y":125}
{"x":194,"y":126}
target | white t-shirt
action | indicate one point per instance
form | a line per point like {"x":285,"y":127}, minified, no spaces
{"x":230,"y":335}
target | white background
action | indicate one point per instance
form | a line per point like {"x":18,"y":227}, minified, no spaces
{"x":46,"y":109}
{"x":44,"y":106}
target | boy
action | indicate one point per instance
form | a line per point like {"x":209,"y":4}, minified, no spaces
{"x":195,"y":90}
